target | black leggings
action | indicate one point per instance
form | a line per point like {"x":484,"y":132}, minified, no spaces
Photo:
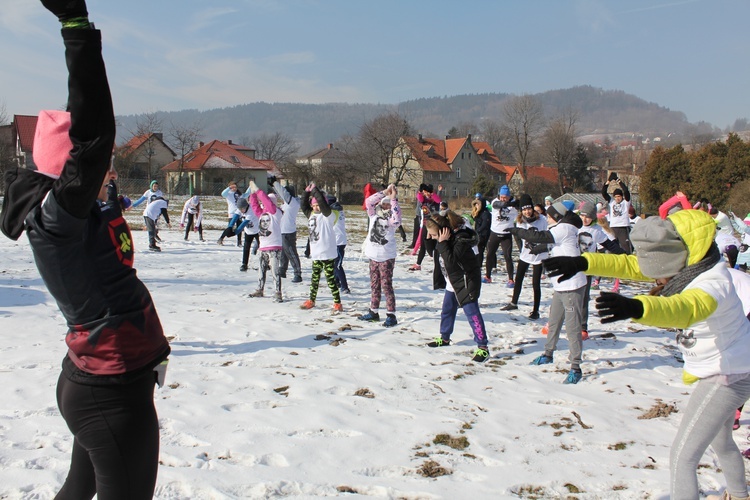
{"x":506,"y":242}
{"x":425,"y":245}
{"x":536,"y":282}
{"x":115,"y":439}
{"x":248,"y":245}
{"x":189,"y":226}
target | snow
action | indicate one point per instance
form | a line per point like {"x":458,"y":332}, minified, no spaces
{"x":262,"y":398}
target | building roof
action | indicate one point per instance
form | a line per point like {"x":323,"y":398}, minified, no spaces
{"x":25,"y":127}
{"x":328,"y":153}
{"x":216,"y":155}
{"x":484,"y":150}
{"x":137,"y":141}
{"x":430,"y":153}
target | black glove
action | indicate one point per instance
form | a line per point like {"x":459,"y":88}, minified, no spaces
{"x":513,"y":230}
{"x":272,"y":180}
{"x":66,"y":9}
{"x":112,"y":200}
{"x":565,"y":267}
{"x":612,"y":176}
{"x":539,"y":248}
{"x":615,"y":307}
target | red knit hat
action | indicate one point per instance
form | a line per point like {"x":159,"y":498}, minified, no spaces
{"x":52,"y":143}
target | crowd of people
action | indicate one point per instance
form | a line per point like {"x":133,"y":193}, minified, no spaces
{"x":72,"y":214}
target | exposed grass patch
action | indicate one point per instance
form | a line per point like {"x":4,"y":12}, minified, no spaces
{"x":618,"y":446}
{"x":365,"y":393}
{"x":660,"y":409}
{"x":433,"y":469}
{"x":457,"y":443}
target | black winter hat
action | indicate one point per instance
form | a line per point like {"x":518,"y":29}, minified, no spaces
{"x":526,"y":202}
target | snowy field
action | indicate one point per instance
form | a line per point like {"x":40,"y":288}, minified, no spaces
{"x":265,"y":400}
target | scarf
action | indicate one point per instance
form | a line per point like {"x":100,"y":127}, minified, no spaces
{"x":682,"y":279}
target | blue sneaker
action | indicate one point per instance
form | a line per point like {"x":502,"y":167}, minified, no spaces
{"x":574,"y":376}
{"x":370,"y":316}
{"x":390,"y":320}
{"x":542,"y":360}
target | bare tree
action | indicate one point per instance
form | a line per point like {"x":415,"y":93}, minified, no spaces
{"x":524,"y":118}
{"x":377,"y":150}
{"x":148,"y":124}
{"x":183,"y":139}
{"x":463,"y":129}
{"x":277,"y":146}
{"x":559,"y":144}
{"x":499,"y":139}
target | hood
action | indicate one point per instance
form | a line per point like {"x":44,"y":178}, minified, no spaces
{"x":697,"y":230}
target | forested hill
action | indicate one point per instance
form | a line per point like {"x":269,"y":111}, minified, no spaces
{"x":314,"y":125}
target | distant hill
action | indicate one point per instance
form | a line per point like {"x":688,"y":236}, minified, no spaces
{"x":314,"y":125}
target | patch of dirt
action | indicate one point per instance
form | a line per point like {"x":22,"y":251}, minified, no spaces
{"x":433,"y":469}
{"x":457,"y":443}
{"x":284,"y":391}
{"x":660,"y":409}
{"x":365,"y":393}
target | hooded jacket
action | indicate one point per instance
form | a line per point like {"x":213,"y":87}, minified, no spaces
{"x":482,"y":222}
{"x":715,"y":334}
{"x":461,"y":268}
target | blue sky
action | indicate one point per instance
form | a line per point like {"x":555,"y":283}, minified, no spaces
{"x":687,"y":55}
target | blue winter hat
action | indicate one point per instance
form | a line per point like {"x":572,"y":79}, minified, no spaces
{"x":477,"y":195}
{"x":504,"y":190}
{"x":569,"y":204}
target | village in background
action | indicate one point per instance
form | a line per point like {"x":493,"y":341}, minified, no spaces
{"x":543,"y":144}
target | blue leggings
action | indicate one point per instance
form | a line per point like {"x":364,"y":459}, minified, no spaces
{"x":471,"y":310}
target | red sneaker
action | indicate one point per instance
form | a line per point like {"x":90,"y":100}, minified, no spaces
{"x":338,"y":307}
{"x":584,"y":335}
{"x":545,"y":329}
{"x":308,"y":304}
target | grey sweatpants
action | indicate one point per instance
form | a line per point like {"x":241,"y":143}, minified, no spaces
{"x":708,"y":421}
{"x":566,"y":307}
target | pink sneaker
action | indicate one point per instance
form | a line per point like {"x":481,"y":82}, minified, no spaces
{"x":616,"y":288}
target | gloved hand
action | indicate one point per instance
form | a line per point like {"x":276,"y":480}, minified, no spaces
{"x":615,"y":307}
{"x":66,"y":9}
{"x":612,"y":176}
{"x":565,"y":267}
{"x":513,"y":230}
{"x":272,"y":180}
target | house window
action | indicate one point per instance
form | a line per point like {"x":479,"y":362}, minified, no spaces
{"x":235,"y":159}
{"x":470,"y":156}
{"x":462,"y":156}
{"x":440,"y":177}
{"x":455,"y":192}
{"x":458,"y":173}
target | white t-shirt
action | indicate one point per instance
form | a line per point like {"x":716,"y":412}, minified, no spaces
{"x":269,"y":233}
{"x":231,"y":197}
{"x":380,"y":244}
{"x":153,"y":209}
{"x":322,"y":235}
{"x":591,"y":237}
{"x":503,"y":217}
{"x":619,"y":213}
{"x":340,"y":229}
{"x":252,"y":226}
{"x":566,"y":245}
{"x":540,"y":225}
{"x":289,"y":219}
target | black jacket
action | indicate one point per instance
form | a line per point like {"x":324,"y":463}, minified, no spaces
{"x":83,"y":249}
{"x":461,"y":266}
{"x":483,"y":222}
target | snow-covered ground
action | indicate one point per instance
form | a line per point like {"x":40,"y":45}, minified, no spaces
{"x":265,"y":400}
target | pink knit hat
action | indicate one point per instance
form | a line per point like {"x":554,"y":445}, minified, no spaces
{"x":52,"y":143}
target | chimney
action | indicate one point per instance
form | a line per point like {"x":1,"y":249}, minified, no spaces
{"x":229,"y":141}
{"x":201,"y":144}
{"x":468,"y":137}
{"x":447,"y":136}
{"x":159,"y":136}
{"x":420,"y":139}
{"x":330,"y":145}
